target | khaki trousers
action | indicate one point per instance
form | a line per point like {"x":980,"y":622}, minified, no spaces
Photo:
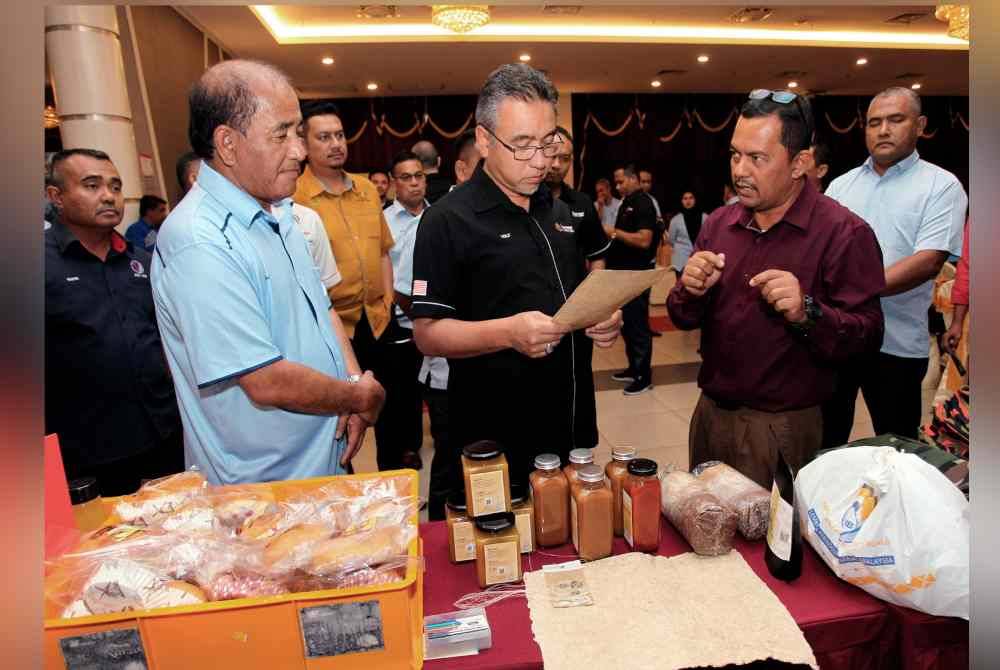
{"x":749,"y":440}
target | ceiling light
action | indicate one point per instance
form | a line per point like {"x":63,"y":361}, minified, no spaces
{"x":327,"y":61}
{"x":460,"y":18}
{"x":524,"y":58}
{"x":916,"y":87}
{"x":372,"y":86}
{"x":287,"y":31}
{"x":861,"y":61}
{"x":957,"y":18}
{"x":793,"y":84}
{"x":703,"y":59}
{"x":656,"y":83}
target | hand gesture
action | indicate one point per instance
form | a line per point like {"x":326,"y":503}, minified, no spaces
{"x":702,"y":272}
{"x":782,"y":291}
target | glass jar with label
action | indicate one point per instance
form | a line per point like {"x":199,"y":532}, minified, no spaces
{"x":487,"y":479}
{"x":88,"y":508}
{"x":524,"y":516}
{"x":550,"y":490}
{"x":461,"y":529}
{"x":577,"y":459}
{"x":617,"y":471}
{"x":591,"y":514}
{"x":498,"y":550}
{"x":641,"y":506}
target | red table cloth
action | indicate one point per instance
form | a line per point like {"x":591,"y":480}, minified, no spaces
{"x":847,"y":628}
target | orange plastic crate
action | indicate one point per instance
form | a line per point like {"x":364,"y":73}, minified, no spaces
{"x":266,"y":633}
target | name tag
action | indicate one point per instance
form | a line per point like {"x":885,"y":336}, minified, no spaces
{"x":578,"y":215}
{"x":564,"y":229}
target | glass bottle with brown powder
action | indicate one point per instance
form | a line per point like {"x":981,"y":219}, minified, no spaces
{"x":591,"y":512}
{"x":487,"y":479}
{"x":616,"y":471}
{"x":498,"y":550}
{"x":550,"y":490}
{"x":641,"y":506}
{"x":524,"y":516}
{"x":461,"y":529}
{"x":577,"y":459}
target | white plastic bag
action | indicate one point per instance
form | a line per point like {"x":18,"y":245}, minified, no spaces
{"x":891,"y":524}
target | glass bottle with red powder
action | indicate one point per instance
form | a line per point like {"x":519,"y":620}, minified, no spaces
{"x":641,"y":506}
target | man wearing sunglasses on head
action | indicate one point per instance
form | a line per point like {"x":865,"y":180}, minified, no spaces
{"x":784,"y":285}
{"x":493,"y":262}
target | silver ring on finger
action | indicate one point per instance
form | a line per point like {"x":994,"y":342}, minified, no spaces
{"x":548,"y":348}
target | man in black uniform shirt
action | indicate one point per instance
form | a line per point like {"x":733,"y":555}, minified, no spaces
{"x":494,"y":260}
{"x":108,"y":394}
{"x":437,"y":183}
{"x":633,"y":247}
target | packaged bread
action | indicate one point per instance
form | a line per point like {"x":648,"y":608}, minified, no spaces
{"x":239,"y":506}
{"x":294,"y":548}
{"x":239,"y":583}
{"x":705,"y":522}
{"x":750,"y":500}
{"x":347,"y":553}
{"x":194,"y":516}
{"x":159,"y":498}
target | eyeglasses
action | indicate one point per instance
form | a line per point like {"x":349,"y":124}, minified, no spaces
{"x":416,"y":176}
{"x":527,"y":153}
{"x":782,"y":98}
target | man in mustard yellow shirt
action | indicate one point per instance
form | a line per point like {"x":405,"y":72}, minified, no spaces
{"x":351,"y":210}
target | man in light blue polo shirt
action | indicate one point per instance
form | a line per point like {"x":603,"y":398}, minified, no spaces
{"x":266,"y":381}
{"x":917,"y":210}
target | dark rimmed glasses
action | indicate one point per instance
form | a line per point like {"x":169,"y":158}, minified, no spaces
{"x":527,"y":153}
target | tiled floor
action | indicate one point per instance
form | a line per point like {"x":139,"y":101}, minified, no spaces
{"x":655,"y":423}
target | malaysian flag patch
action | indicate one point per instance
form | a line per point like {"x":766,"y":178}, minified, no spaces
{"x":420,"y":288}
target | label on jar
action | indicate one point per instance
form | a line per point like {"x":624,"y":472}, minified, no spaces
{"x":488,"y":496}
{"x":574,"y":524}
{"x":523,"y":520}
{"x":502,"y":562}
{"x":779,"y":530}
{"x":627,"y":516}
{"x":465,"y":541}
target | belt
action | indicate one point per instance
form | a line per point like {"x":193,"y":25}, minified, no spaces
{"x":727,"y":405}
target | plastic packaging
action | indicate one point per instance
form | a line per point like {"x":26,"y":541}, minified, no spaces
{"x":705,"y":522}
{"x":750,"y":501}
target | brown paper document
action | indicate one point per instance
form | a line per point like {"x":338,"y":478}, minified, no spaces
{"x":666,"y":614}
{"x":602,"y":292}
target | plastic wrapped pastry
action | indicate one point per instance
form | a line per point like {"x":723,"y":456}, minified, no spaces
{"x":750,"y":501}
{"x":705,"y":522}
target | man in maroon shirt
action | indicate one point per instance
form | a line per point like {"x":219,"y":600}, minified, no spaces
{"x":784,"y":286}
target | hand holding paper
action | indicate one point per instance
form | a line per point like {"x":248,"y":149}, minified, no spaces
{"x":602,"y":293}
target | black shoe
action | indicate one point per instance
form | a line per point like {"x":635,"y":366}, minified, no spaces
{"x":638,"y":386}
{"x":623,"y":376}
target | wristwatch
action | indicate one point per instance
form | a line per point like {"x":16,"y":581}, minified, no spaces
{"x":813,"y":314}
{"x":353,"y":379}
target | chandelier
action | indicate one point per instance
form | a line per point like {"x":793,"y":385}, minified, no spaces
{"x":51,"y":118}
{"x":460,"y":18}
{"x":957,"y":18}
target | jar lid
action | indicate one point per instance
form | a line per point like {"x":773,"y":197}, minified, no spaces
{"x":494,"y":523}
{"x":623,"y":453}
{"x":642,"y":467}
{"x":547,"y":462}
{"x":581,"y":456}
{"x":456,"y":501}
{"x":83,"y":490}
{"x":518,"y":493}
{"x":591,"y":473}
{"x":482,"y":450}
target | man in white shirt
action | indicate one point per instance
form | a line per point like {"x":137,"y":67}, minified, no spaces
{"x":917,"y":210}
{"x":312,"y":229}
{"x":400,"y":441}
{"x":607,"y":205}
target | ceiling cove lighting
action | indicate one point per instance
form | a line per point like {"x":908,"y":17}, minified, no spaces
{"x":656,"y":83}
{"x":316,"y":33}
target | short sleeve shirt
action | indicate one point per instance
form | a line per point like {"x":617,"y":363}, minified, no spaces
{"x":236,"y":289}
{"x":635,"y":213}
{"x":312,"y":229}
{"x":108,"y":394}
{"x":404,"y":231}
{"x":477,"y":257}
{"x":915,"y":206}
{"x":591,"y":239}
{"x":360,"y":238}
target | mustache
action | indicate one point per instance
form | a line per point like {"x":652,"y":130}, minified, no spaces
{"x":743,"y":183}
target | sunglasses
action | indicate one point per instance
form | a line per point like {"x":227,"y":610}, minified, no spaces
{"x":782,"y":98}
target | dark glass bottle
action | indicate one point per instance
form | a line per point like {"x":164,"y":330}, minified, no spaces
{"x":783,"y":553}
